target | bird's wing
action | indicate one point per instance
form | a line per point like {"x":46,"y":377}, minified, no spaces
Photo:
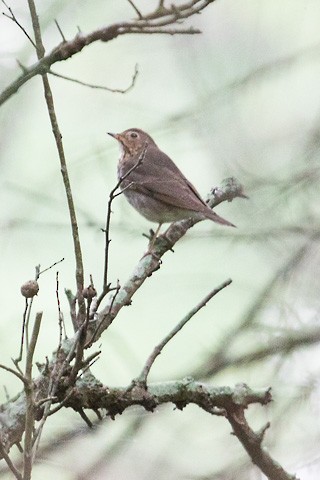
{"x":159,"y":178}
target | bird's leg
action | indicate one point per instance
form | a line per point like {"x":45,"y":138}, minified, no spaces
{"x":154,"y":237}
{"x":152,"y":242}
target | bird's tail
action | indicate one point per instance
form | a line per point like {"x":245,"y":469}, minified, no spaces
{"x":216,"y":218}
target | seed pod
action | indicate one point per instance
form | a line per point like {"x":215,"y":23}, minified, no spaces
{"x":89,"y":292}
{"x":30,"y":288}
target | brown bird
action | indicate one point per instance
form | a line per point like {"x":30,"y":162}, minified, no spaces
{"x":156,"y":188}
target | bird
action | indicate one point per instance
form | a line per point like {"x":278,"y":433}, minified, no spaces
{"x":154,"y":185}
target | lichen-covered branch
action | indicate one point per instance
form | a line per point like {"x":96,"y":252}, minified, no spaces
{"x":60,"y":362}
{"x":150,"y":263}
{"x":231,"y":402}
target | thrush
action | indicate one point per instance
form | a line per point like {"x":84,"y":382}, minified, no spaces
{"x":155,"y":186}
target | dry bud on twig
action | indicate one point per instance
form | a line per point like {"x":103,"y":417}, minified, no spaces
{"x":89,"y":292}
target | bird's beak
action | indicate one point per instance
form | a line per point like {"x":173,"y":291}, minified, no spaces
{"x":114,"y":135}
{"x":120,"y":139}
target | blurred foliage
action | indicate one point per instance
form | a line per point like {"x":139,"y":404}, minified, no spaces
{"x":242,"y":99}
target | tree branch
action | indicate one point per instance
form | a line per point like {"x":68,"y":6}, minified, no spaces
{"x":142,"y":378}
{"x":148,"y":264}
{"x":252,"y":443}
{"x":15,"y":20}
{"x":113,"y":194}
{"x":99,"y":87}
{"x":30,"y":403}
{"x":151,"y":23}
{"x":64,"y":171}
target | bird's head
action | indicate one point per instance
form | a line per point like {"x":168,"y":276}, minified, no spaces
{"x":133,"y":140}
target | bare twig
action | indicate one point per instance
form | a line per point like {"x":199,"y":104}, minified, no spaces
{"x":152,"y":23}
{"x":56,"y":374}
{"x":60,"y":30}
{"x":87,"y":367}
{"x":90,"y":358}
{"x":61,"y":361}
{"x":85,"y":417}
{"x":100,"y":87}
{"x":64,"y":170}
{"x":72,"y":299}
{"x":48,"y":268}
{"x":147,"y":265}
{"x":78,"y":357}
{"x":14,"y":19}
{"x":29,"y":391}
{"x":142,"y":378}
{"x":17,"y":374}
{"x":18,"y":360}
{"x":252,"y":443}
{"x":28,"y":321}
{"x":27,"y":312}
{"x":112,"y":196}
{"x":62,"y":327}
{"x":45,"y":400}
{"x":136,"y":9}
{"x":6,"y":393}
{"x":61,"y":404}
{"x":78,"y":363}
{"x":92,"y":338}
{"x":9,"y":462}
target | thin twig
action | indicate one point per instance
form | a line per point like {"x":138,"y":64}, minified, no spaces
{"x":29,"y":391}
{"x":62,"y":327}
{"x":136,"y":9}
{"x":63,"y":164}
{"x":252,"y":443}
{"x":60,"y":31}
{"x":87,"y":367}
{"x":6,"y":393}
{"x":99,"y":87}
{"x":61,"y":404}
{"x":142,"y":378}
{"x":82,"y":340}
{"x":79,"y":356}
{"x":84,"y":417}
{"x":92,"y":339}
{"x":151,"y":23}
{"x":45,"y":400}
{"x":72,"y":299}
{"x":56,"y":374}
{"x":18,"y":360}
{"x":17,"y":374}
{"x":27,"y":322}
{"x":14,"y":19}
{"x":112,"y":195}
{"x":90,"y":358}
{"x":8,"y":461}
{"x":48,"y":268}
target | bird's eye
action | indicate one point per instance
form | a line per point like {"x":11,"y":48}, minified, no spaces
{"x":133,"y":135}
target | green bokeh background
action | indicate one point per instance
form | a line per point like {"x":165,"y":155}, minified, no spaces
{"x":242,"y":100}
